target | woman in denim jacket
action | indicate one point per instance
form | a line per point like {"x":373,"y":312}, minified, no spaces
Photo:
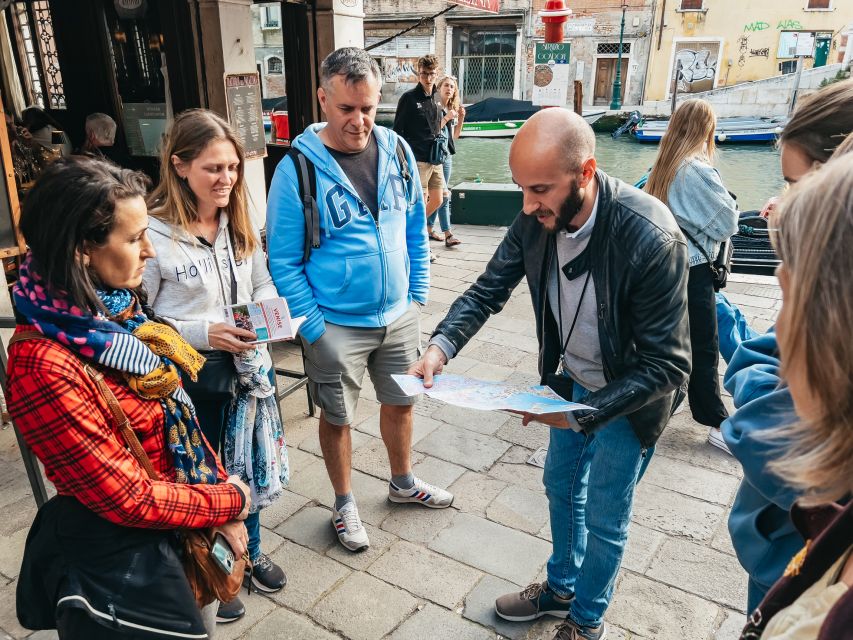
{"x":684,"y":179}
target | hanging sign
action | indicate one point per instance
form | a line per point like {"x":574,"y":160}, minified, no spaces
{"x":245,"y":112}
{"x":492,"y":6}
{"x":551,"y":74}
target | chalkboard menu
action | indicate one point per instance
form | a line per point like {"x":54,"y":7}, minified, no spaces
{"x":243,"y":97}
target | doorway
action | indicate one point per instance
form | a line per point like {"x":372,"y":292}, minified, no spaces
{"x":605,"y":74}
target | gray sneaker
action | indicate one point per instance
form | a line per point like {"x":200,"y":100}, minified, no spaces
{"x":570,"y":630}
{"x":535,"y":601}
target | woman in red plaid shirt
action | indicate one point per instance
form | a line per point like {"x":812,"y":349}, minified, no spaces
{"x":101,"y":557}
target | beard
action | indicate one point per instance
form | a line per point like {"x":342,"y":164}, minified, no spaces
{"x":570,"y":208}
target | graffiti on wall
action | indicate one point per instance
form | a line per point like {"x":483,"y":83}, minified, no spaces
{"x":400,"y":70}
{"x":761,"y":25}
{"x":760,"y":53}
{"x":789,"y":24}
{"x":743,"y":48}
{"x":698,"y":68}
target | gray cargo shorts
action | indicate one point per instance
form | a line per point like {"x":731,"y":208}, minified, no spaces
{"x":335,"y":364}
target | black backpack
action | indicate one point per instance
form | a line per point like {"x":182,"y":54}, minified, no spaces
{"x":306,"y":174}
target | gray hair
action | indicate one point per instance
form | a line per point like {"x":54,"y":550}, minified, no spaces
{"x":102,"y":127}
{"x":353,"y":63}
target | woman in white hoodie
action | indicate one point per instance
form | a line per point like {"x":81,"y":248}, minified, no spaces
{"x":209,"y":256}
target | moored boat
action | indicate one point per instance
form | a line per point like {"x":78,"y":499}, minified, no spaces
{"x":503,"y":117}
{"x":730,"y":130}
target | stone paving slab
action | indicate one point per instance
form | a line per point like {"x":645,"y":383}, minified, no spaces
{"x":257,"y":608}
{"x":690,"y":480}
{"x":474,"y":492}
{"x":480,"y":607}
{"x":309,"y":576}
{"x":675,"y":513}
{"x":519,"y":473}
{"x":435,"y":622}
{"x":492,"y":548}
{"x":520,"y":508}
{"x":657,"y":611}
{"x":437,"y":472}
{"x":312,"y":528}
{"x":364,"y":608}
{"x":460,"y":446}
{"x":533,"y":436}
{"x":485,"y":422}
{"x":425,"y":574}
{"x":414,"y":523}
{"x":380,"y":541}
{"x":284,"y":507}
{"x":282,"y":624}
{"x":706,"y":572}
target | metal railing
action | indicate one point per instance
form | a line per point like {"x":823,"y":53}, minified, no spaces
{"x":485,"y":76}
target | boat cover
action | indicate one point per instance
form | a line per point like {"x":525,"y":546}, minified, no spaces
{"x":494,"y":109}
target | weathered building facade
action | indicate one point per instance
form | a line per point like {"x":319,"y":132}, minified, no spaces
{"x":593,"y":31}
{"x":485,"y":51}
{"x":725,"y":42}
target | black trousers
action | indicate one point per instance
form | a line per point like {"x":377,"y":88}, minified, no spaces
{"x":211,"y":410}
{"x":703,"y":392}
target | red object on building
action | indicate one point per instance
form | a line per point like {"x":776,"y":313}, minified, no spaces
{"x":280,"y":125}
{"x":554,"y":16}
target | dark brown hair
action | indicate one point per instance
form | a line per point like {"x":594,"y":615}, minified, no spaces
{"x":72,"y":206}
{"x":428,"y":62}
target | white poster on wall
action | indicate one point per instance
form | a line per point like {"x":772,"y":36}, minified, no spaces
{"x":551,"y":74}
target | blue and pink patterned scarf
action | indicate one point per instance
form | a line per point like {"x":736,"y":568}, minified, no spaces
{"x":128,"y":342}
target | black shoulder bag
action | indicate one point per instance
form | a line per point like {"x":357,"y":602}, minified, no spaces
{"x":721,"y":266}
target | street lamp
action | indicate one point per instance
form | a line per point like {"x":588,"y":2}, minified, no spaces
{"x":616,"y":103}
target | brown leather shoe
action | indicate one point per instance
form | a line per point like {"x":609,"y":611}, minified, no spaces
{"x":534,"y":601}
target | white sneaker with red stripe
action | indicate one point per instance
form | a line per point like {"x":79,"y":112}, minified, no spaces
{"x":421,"y":492}
{"x":347,"y":524}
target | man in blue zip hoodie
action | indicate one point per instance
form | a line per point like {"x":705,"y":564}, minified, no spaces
{"x":360,"y":289}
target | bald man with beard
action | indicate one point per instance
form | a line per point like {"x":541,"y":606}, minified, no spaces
{"x":607,"y":271}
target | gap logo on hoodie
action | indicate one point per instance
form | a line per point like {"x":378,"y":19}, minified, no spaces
{"x":366,"y":272}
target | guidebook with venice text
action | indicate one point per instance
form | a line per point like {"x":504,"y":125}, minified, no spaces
{"x":269,"y":319}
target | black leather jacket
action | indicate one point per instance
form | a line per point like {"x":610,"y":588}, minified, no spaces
{"x":639,"y":267}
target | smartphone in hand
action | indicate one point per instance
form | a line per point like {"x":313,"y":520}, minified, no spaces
{"x":222,"y":554}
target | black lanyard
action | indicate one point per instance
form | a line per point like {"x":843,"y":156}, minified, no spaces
{"x":560,"y":311}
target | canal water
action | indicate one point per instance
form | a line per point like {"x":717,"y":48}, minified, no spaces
{"x":751,"y":172}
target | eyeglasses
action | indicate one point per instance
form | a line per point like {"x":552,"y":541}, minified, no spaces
{"x":428,"y":74}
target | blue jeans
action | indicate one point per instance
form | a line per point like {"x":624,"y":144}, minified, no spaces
{"x":253,"y":527}
{"x":443,"y":212}
{"x":600,"y":469}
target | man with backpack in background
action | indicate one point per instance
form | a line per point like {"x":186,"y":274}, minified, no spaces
{"x":348,"y":250}
{"x":418,"y":119}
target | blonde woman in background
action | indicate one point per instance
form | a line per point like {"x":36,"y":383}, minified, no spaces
{"x":683,"y":178}
{"x":454,"y":117}
{"x":814,"y":222}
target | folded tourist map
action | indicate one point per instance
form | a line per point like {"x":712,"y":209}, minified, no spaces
{"x":488,"y":396}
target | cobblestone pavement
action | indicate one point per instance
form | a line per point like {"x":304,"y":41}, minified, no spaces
{"x":435,"y":574}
